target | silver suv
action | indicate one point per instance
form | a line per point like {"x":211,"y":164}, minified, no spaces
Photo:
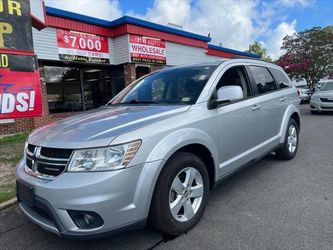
{"x":157,"y":149}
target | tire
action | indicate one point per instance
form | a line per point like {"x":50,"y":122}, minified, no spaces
{"x":287,"y":151}
{"x":180,"y":166}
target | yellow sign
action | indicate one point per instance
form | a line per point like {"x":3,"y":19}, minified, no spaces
{"x":3,"y":61}
{"x":5,"y":28}
{"x":12,"y":6}
{"x":14,"y":15}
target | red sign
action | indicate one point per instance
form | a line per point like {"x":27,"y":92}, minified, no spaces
{"x":20,"y":94}
{"x":147,"y":49}
{"x":82,"y":47}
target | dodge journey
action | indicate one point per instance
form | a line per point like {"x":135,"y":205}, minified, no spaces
{"x":157,"y":148}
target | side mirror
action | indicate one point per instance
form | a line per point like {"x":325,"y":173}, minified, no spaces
{"x":230,"y":93}
{"x":227,"y":94}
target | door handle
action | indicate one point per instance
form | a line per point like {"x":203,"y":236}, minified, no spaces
{"x":255,"y":107}
{"x":282,"y":99}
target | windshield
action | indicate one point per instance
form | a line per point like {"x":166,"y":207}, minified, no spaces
{"x":327,"y":86}
{"x":171,"y":86}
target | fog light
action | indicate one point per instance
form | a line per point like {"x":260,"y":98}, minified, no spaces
{"x":85,"y":219}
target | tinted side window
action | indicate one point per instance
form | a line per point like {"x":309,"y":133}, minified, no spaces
{"x":263,"y":79}
{"x":282,"y":80}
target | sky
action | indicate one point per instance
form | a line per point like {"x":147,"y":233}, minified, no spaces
{"x":233,"y":23}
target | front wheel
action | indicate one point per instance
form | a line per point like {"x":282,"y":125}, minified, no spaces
{"x":180,"y":195}
{"x":289,"y":148}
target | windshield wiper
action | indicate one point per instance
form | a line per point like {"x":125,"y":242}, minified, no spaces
{"x":146,"y":102}
{"x":139,"y":102}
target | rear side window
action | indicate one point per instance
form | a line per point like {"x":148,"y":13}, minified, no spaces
{"x":281,"y":79}
{"x":263,"y":79}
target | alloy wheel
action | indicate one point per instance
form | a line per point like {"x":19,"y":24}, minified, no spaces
{"x":186,"y":194}
{"x":292,"y":139}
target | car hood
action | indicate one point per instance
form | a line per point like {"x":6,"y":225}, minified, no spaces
{"x":99,"y":127}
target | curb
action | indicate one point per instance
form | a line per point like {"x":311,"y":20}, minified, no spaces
{"x":8,"y":203}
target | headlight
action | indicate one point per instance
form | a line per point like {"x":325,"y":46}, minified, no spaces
{"x":315,"y":98}
{"x":103,"y":159}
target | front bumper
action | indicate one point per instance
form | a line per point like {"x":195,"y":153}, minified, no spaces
{"x":321,"y":106}
{"x":304,"y":98}
{"x":121,"y":198}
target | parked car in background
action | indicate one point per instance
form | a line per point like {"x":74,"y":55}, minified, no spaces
{"x":304,"y":94}
{"x":299,"y":83}
{"x":318,"y":85}
{"x":157,"y":149}
{"x":322,"y":98}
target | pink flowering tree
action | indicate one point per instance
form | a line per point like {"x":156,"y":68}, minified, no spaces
{"x":309,"y":55}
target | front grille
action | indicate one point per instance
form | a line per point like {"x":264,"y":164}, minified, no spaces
{"x":46,"y":163}
{"x":323,"y":99}
{"x":47,"y":169}
{"x":330,"y":108}
{"x":31,"y":148}
{"x":56,"y":153}
{"x":29,"y":163}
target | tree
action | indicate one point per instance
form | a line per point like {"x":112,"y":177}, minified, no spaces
{"x":328,"y":29}
{"x":257,"y":48}
{"x":309,"y":55}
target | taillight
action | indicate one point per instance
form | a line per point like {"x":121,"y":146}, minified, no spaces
{"x":298,"y":92}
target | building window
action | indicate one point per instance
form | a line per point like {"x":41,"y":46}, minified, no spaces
{"x":63,"y":89}
{"x":71,"y":89}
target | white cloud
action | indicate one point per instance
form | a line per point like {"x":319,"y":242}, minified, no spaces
{"x":167,"y":11}
{"x":296,"y":2}
{"x":229,"y":22}
{"x":103,"y":9}
{"x":274,"y":42}
{"x":235,"y":24}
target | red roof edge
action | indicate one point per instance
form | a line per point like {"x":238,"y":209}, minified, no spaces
{"x":59,"y":22}
{"x":63,"y":23}
{"x":214,"y":52}
{"x":36,"y":23}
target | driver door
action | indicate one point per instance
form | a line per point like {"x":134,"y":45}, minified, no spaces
{"x":238,"y":123}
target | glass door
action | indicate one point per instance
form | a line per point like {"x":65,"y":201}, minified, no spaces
{"x":96,"y":89}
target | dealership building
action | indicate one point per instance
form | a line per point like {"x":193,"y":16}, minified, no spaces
{"x":84,"y":61}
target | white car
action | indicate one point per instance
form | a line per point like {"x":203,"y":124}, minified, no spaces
{"x":322,"y":98}
{"x":304,"y":94}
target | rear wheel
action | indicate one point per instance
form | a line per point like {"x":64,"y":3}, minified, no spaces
{"x":180,"y":195}
{"x":290,"y":145}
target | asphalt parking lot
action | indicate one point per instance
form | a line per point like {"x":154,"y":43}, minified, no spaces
{"x":269,"y":205}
